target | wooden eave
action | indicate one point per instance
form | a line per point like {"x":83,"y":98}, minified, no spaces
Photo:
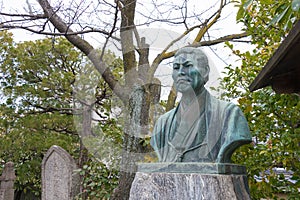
{"x":282,"y":71}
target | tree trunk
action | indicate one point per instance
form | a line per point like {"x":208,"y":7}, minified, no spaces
{"x":134,"y":130}
{"x":171,"y":99}
{"x":85,"y":132}
{"x":130,"y":142}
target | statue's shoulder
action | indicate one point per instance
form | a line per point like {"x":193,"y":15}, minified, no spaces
{"x":224,"y":105}
{"x":167,"y":115}
{"x":162,"y":122}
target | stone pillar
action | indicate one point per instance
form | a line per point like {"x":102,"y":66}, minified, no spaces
{"x":7,"y":182}
{"x":59,"y":179}
{"x":194,"y":181}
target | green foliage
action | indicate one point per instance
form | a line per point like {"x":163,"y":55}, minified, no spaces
{"x":36,"y":108}
{"x":98,"y":181}
{"x":273,"y":118}
{"x":26,"y":149}
{"x":105,"y":144}
{"x":268,"y":13}
{"x":41,"y":81}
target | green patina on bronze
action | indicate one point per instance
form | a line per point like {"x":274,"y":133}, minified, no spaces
{"x":201,"y":128}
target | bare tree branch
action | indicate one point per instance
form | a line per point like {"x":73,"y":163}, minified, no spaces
{"x":226,"y":38}
{"x":209,"y":23}
{"x":110,"y":35}
{"x":16,"y":23}
{"x":30,"y":16}
{"x":92,"y":30}
{"x":84,"y":46}
{"x":211,"y":42}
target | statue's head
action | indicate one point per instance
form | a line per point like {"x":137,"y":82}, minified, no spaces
{"x":190,"y":70}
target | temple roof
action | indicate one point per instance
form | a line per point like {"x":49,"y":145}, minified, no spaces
{"x":282,"y":71}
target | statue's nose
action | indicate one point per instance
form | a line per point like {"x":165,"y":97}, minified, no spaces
{"x":182,"y":70}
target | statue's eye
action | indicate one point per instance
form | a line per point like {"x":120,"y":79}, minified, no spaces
{"x":188,"y":65}
{"x":175,"y":66}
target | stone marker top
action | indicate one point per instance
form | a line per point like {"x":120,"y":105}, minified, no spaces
{"x":192,"y":167}
{"x":62,"y":153}
{"x":8,"y":173}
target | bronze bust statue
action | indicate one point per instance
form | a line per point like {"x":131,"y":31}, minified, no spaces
{"x":201,"y":128}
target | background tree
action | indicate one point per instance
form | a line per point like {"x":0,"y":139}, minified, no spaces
{"x":117,"y":22}
{"x":39,"y":84}
{"x":273,"y":118}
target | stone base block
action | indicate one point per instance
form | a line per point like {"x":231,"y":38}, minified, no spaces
{"x":191,"y":186}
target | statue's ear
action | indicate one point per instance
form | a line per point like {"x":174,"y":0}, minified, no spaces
{"x":203,"y":67}
{"x":205,"y":74}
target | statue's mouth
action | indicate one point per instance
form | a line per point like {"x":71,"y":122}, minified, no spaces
{"x":183,"y":80}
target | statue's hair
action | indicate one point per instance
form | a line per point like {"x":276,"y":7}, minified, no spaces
{"x":200,"y":56}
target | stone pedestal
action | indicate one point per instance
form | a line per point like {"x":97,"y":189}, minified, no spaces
{"x":193,"y":181}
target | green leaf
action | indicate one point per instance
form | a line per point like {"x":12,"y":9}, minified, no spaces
{"x":240,"y":14}
{"x":268,"y":2}
{"x":279,"y":17}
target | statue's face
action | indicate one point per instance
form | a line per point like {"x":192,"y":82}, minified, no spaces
{"x":187,"y":74}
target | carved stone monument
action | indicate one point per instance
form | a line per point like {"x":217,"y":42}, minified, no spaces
{"x":59,"y":180}
{"x":194,"y":142}
{"x":7,"y":182}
